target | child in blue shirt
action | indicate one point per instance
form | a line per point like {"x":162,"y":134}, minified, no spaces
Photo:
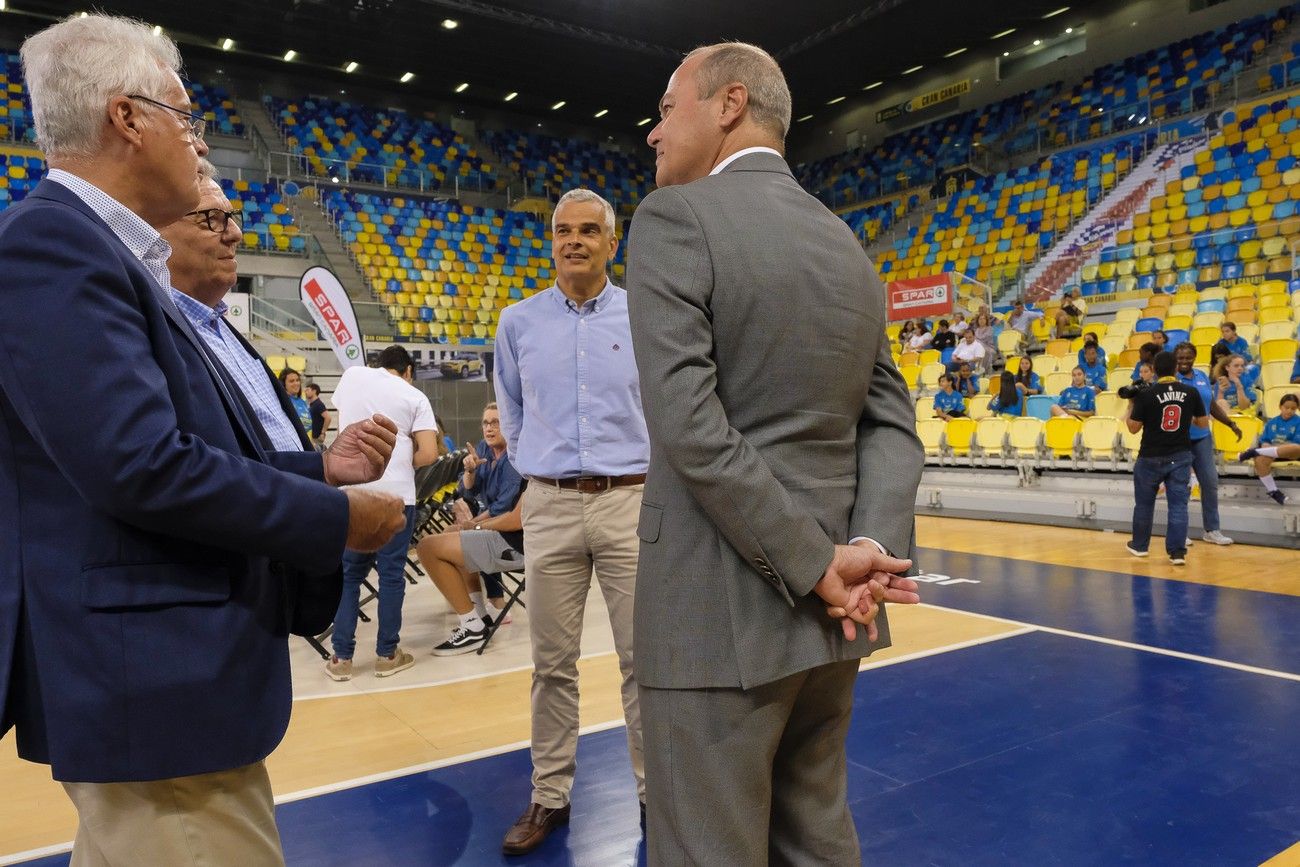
{"x":948,"y":403}
{"x":967,"y":384}
{"x":1232,"y":343}
{"x":1079,"y":400}
{"x":1009,"y":401}
{"x":1027,"y":381}
{"x":1094,"y":369}
{"x":1279,"y":441}
{"x":1233,"y":386}
{"x":1090,"y":339}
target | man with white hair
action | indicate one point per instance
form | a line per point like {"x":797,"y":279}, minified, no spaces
{"x":784,"y":469}
{"x":154,"y":562}
{"x":570,"y":408}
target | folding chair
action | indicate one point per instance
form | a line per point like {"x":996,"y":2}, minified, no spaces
{"x":513,"y":595}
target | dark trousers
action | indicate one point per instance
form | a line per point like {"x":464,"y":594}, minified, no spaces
{"x":1175,"y":471}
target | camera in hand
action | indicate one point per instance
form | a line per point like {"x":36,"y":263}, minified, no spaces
{"x":1128,"y":392}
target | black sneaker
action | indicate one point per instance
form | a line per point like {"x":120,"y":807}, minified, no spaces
{"x":462,"y":641}
{"x":1278,"y":497}
{"x":1248,"y":455}
{"x":1178,"y":558}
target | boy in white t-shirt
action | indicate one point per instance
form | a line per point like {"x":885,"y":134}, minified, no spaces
{"x":361,"y":392}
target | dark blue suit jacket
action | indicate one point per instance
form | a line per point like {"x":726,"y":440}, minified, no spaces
{"x":143,"y":606}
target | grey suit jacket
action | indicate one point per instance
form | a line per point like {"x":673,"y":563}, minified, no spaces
{"x":779,"y":426}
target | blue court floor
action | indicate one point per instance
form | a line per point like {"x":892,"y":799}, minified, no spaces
{"x":1038,"y":749}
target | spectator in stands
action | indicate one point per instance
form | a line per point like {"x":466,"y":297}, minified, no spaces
{"x":1146,"y":355}
{"x":487,"y":537}
{"x":320,"y":416}
{"x":1094,"y":369}
{"x":1090,"y":339}
{"x":959,"y":324}
{"x":970,"y":352}
{"x":905,"y":335}
{"x":446,"y":445}
{"x":1145,"y":372}
{"x":1165,"y":414}
{"x":1008,"y":401}
{"x":1295,"y":370}
{"x":363,"y":391}
{"x":577,"y":432}
{"x":1231,"y":342}
{"x":984,"y":333}
{"x":944,"y":338}
{"x":968,"y":384}
{"x":292,"y":382}
{"x":1204,"y":466}
{"x":1160,"y":339}
{"x":1232,"y":388}
{"x":1079,"y":399}
{"x":921,"y":338}
{"x":948,"y":402}
{"x":1027,"y":382}
{"x":1069,"y":318}
{"x":1022,"y":318}
{"x":1280,"y":440}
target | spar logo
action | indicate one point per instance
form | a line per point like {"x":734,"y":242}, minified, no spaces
{"x":328,"y":313}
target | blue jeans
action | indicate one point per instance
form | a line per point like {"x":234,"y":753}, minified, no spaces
{"x":1207,"y":475}
{"x":1175,"y":471}
{"x":391,"y":563}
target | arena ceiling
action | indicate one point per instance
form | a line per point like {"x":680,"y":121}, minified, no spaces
{"x":594,"y":55}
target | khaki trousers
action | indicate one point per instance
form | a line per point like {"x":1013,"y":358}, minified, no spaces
{"x":207,"y":820}
{"x":566,"y":534}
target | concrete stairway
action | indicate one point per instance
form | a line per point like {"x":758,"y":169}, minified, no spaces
{"x":371,"y":317}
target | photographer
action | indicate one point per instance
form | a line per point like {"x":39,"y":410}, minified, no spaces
{"x":1165,"y":414}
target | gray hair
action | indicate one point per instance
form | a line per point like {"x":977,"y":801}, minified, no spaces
{"x":584,"y":195}
{"x":75,"y":67}
{"x":729,"y":62}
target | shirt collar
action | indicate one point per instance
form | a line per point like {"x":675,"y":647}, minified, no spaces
{"x":140,"y":238}
{"x":197,"y":312}
{"x":595,"y":305}
{"x":741,"y":153}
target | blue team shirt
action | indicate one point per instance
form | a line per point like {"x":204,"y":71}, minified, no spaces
{"x":1101,"y":356}
{"x":1201,"y":383}
{"x":1229,"y":392}
{"x":1035,"y":382}
{"x":1280,"y":430}
{"x":1095,"y":374}
{"x":1016,"y":408}
{"x":949,"y":402}
{"x":1238,"y":347}
{"x":975,"y":383}
{"x":1080,"y":399}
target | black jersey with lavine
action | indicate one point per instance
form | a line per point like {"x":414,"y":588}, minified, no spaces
{"x":1166,"y":410}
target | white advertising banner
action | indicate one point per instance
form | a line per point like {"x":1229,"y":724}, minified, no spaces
{"x":330,"y":306}
{"x":237,"y":313}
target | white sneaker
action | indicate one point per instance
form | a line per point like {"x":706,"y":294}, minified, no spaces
{"x":1188,"y":543}
{"x":1217,"y":538}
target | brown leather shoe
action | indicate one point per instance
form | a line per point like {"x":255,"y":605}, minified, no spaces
{"x":534,"y":826}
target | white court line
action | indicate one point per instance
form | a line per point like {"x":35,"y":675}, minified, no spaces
{"x":868,"y":664}
{"x":1177,"y":654}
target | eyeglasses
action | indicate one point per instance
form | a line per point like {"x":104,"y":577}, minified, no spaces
{"x":492,"y":424}
{"x":216,"y":219}
{"x":196,"y":121}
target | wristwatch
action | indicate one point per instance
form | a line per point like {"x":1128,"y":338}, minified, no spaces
{"x":478,"y":526}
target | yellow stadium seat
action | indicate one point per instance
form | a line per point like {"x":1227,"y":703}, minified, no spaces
{"x":924,"y":408}
{"x":1060,"y":436}
{"x":1010,"y":340}
{"x":1100,"y":437}
{"x":1110,"y":403}
{"x":931,"y":431}
{"x":1025,"y":436}
{"x":991,"y":437}
{"x":1042,"y":364}
{"x":1273,"y":331}
{"x":930,"y":373}
{"x":1118,"y":377}
{"x":1277,"y":349}
{"x":1273,"y":397}
{"x":958,"y":435}
{"x":977,"y":407}
{"x":911,"y":374}
{"x":1055,"y":383}
{"x":1227,"y":443}
{"x":1275,"y":373}
{"x":1210,"y":319}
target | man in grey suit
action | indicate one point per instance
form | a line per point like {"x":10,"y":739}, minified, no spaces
{"x":783,"y":469}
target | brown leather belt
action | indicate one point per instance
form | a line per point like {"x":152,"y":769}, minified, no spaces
{"x":592,"y":484}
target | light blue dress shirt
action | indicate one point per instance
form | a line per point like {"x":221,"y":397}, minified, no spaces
{"x":567,"y":387}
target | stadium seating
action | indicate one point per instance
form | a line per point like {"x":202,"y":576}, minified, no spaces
{"x":547,"y":166}
{"x":15,"y":116}
{"x":20,"y":171}
{"x":268,"y":224}
{"x":216,"y":106}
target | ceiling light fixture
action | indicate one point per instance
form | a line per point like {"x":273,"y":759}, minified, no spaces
{"x":835,"y":100}
{"x":1057,"y":12}
{"x":227,"y":44}
{"x":462,"y":87}
{"x":1006,"y":32}
{"x":1006,"y":54}
{"x":602,"y":112}
{"x":1038,"y":42}
{"x":511,"y":95}
{"x":643,"y":121}
{"x":406,"y":76}
{"x":805,"y":117}
{"x":873,"y":85}
{"x":351,"y":67}
{"x":913,"y":69}
{"x":559,"y":105}
{"x":1069,"y":30}
{"x":954,"y":53}
{"x":450,"y":24}
{"x":290,"y":55}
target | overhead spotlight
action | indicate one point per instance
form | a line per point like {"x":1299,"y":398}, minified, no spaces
{"x":873,"y":85}
{"x":602,"y":112}
{"x":85,"y":15}
{"x":511,"y":95}
{"x":1069,"y":30}
{"x":954,"y":53}
{"x":835,"y":100}
{"x":450,"y":24}
{"x":226,"y":44}
{"x":1142,"y":119}
{"x":643,"y":121}
{"x":290,"y":55}
{"x":462,"y":87}
{"x":1131,"y":116}
{"x":1053,"y":14}
{"x":157,"y":28}
{"x":559,"y":105}
{"x":1006,"y":54}
{"x":913,"y":69}
{"x":1038,"y":42}
{"x":805,"y":117}
{"x":351,"y":67}
{"x":406,"y":76}
{"x":1006,"y":32}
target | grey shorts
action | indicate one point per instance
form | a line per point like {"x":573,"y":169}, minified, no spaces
{"x":488,"y":551}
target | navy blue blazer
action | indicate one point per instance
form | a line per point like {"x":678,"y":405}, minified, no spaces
{"x":147,"y":532}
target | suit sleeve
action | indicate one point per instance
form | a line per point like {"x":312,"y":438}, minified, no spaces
{"x":890,"y":457}
{"x":75,"y":300}
{"x":670,"y":287}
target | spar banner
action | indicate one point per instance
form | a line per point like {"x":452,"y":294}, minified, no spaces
{"x":924,"y":100}
{"x":920,"y":297}
{"x":328,"y":302}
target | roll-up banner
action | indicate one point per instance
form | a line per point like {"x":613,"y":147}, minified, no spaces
{"x":328,"y":301}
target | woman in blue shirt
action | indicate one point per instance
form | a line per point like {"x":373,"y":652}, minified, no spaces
{"x":1093,"y":367}
{"x":1079,"y":400}
{"x":292,"y":382}
{"x":1232,"y":387}
{"x":1010,"y":401}
{"x":1090,"y":339}
{"x":948,"y":404}
{"x":1279,"y":441}
{"x":1027,"y":381}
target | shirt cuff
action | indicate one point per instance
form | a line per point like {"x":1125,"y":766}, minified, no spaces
{"x":857,"y":539}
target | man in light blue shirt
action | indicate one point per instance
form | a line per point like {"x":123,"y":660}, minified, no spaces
{"x":570,"y":405}
{"x":1205,"y":472}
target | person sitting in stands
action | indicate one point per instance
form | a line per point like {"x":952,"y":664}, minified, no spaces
{"x":921,"y":338}
{"x":905,"y":334}
{"x":1160,"y":339}
{"x":968,"y":384}
{"x":1094,"y":369}
{"x":1028,"y":382}
{"x":948,"y":402}
{"x":983,"y":328}
{"x":1146,"y":355}
{"x":1009,"y":400}
{"x":1090,"y":339}
{"x":959,"y":324}
{"x":970,"y":351}
{"x":1069,"y":319}
{"x":1232,"y":386}
{"x":944,"y":338}
{"x":1079,"y":400}
{"x":1279,"y":441}
{"x":1021,"y":318}
{"x":1231,"y":342}
{"x":1144,"y":372}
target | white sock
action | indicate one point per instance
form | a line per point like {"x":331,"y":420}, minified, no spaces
{"x":1267,"y":451}
{"x":477,"y":600}
{"x":472,"y":621}
{"x":1268,"y":482}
